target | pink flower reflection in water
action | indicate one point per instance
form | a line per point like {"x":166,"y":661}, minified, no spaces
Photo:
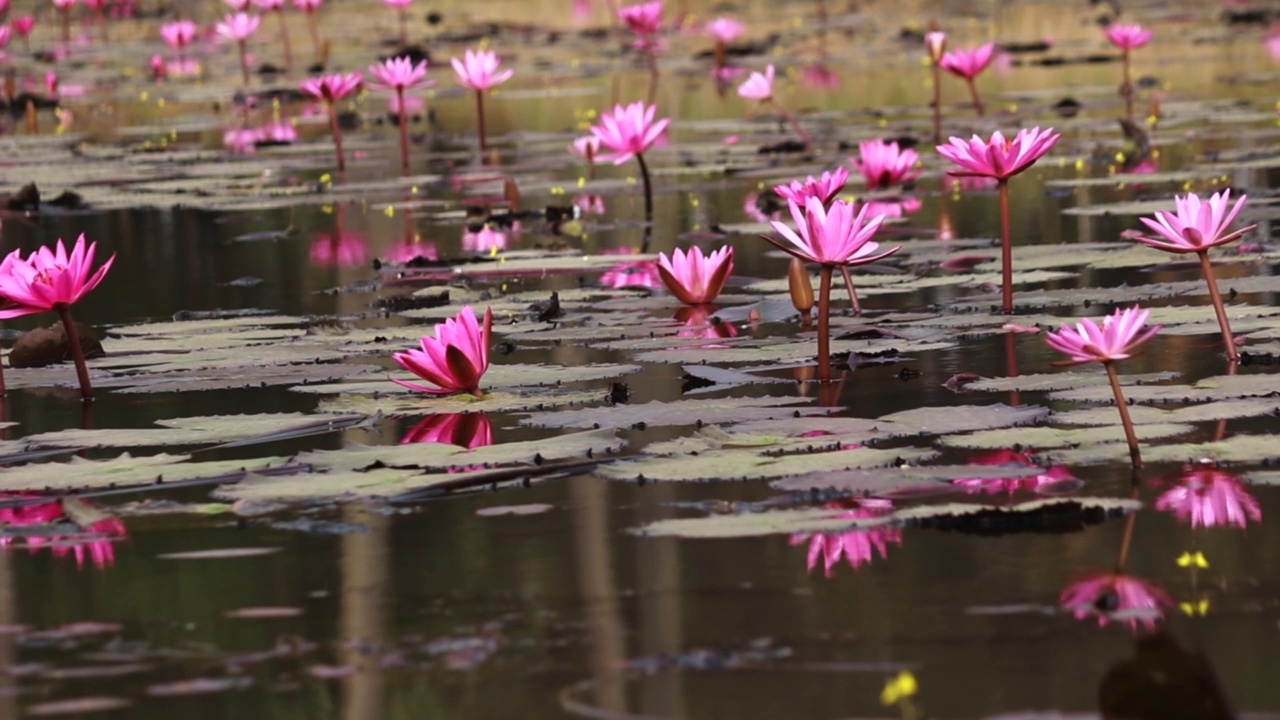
{"x":1122,"y":598}
{"x":642,"y":274}
{"x":95,"y":543}
{"x":466,"y":430}
{"x":1043,"y":479}
{"x":1210,"y":498}
{"x":487,"y":240}
{"x":856,"y":547}
{"x":410,"y":250}
{"x":896,"y":207}
{"x":345,"y":250}
{"x":590,"y":204}
{"x":698,"y":323}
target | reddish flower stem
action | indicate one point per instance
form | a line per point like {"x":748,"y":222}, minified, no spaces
{"x":937,"y":104}
{"x":315,"y":36}
{"x":648,"y":201}
{"x":853,"y":292}
{"x":1135,"y":456}
{"x":244,"y":62}
{"x":66,"y":26}
{"x":1126,"y":88}
{"x":337,"y":136}
{"x":284,"y":41}
{"x":484,"y":145}
{"x":653,"y":75}
{"x":404,"y":32}
{"x":3,"y":390}
{"x":1011,"y":364}
{"x":795,"y":124}
{"x":77,"y":352}
{"x":824,"y":323}
{"x":1127,"y":538}
{"x":1206,"y":268}
{"x":1006,"y":251}
{"x":977,"y":101}
{"x":404,"y":132}
{"x":101,"y":17}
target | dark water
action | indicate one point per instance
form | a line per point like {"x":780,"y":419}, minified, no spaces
{"x":431,"y":610}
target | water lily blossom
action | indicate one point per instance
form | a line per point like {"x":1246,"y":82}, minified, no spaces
{"x":239,"y":27}
{"x":1127,"y":37}
{"x":1114,"y":339}
{"x":825,"y":188}
{"x":1208,"y":497}
{"x":53,"y":280}
{"x":644,"y":20}
{"x":331,"y":89}
{"x":1194,"y":226}
{"x":454,"y":359}
{"x":178,"y":34}
{"x":759,"y":86}
{"x":883,"y":164}
{"x":401,"y":7}
{"x":1000,"y":158}
{"x":64,"y":11}
{"x":968,"y":64}
{"x":832,"y":237}
{"x":310,"y":7}
{"x":1113,"y":596}
{"x":724,"y":30}
{"x":401,"y":74}
{"x":23,"y":25}
{"x":478,"y":70}
{"x":694,"y":278}
{"x":628,"y":131}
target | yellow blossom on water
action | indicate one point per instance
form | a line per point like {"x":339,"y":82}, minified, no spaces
{"x":1200,"y":607}
{"x":898,"y":688}
{"x":1197,"y":559}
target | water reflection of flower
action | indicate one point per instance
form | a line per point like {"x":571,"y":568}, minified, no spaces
{"x":342,"y":250}
{"x":641,"y":274}
{"x":856,"y":547}
{"x":1043,"y":479}
{"x":410,"y":250}
{"x":697,"y":323}
{"x":752,"y":208}
{"x":820,"y":77}
{"x":484,"y":241}
{"x":1210,"y":498}
{"x":94,"y":543}
{"x":1113,"y":596}
{"x":971,"y":183}
{"x":590,"y":204}
{"x":893,"y":207}
{"x":466,"y":430}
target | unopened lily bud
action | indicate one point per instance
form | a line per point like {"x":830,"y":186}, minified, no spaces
{"x":800,"y":286}
{"x":936,"y":43}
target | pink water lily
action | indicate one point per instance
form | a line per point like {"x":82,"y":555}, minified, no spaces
{"x":724,"y":30}
{"x":53,"y":280}
{"x":1039,"y":478}
{"x":999,"y":158}
{"x":478,"y":70}
{"x":454,"y":359}
{"x":1195,"y":226}
{"x":1114,"y":339}
{"x":627,"y":131}
{"x":1127,"y":36}
{"x":758,"y":86}
{"x":968,"y":64}
{"x":643,"y":19}
{"x":1109,"y":595}
{"x":239,"y":26}
{"x":331,"y":89}
{"x":883,"y":164}
{"x":95,"y":543}
{"x":935,"y":42}
{"x":1210,"y":498}
{"x":485,"y":240}
{"x":824,"y":188}
{"x":831,"y":237}
{"x":694,"y":278}
{"x":401,"y":74}
{"x":178,"y":34}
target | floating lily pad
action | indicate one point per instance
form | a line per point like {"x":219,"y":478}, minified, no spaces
{"x":1054,"y":437}
{"x":676,"y":413}
{"x":752,"y":465}
{"x":187,"y":431}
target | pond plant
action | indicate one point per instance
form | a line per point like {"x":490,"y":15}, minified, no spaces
{"x":1114,"y":339}
{"x":935,"y":43}
{"x":401,"y":74}
{"x":478,"y":70}
{"x":1195,"y":226}
{"x":759,"y":86}
{"x":401,"y":7}
{"x":277,"y":7}
{"x":999,"y":159}
{"x":967,"y":64}
{"x":628,"y":132}
{"x":454,"y":359}
{"x":694,"y":278}
{"x":330,"y":89}
{"x":644,"y":21}
{"x":238,"y":27}
{"x":1127,"y":37}
{"x":309,"y":8}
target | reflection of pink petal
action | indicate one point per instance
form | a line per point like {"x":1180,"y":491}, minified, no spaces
{"x":856,"y":547}
{"x":633,"y":274}
{"x":1210,"y":498}
{"x":1105,"y":595}
{"x":484,"y":241}
{"x":412,"y":102}
{"x":1036,"y":480}
{"x":697,"y":323}
{"x":411,"y":250}
{"x":590,"y":204}
{"x":821,"y":77}
{"x":348,"y":250}
{"x":466,"y":430}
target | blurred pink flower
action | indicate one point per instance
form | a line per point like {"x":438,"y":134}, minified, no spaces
{"x":820,"y":76}
{"x":895,"y":207}
{"x":628,"y":131}
{"x":758,"y":86}
{"x":693,"y":278}
{"x":344,"y":250}
{"x":277,"y":133}
{"x":1106,"y":596}
{"x":237,"y":26}
{"x":884,"y":165}
{"x":412,"y":103}
{"x":240,"y":141}
{"x":587,"y":147}
{"x":454,"y":359}
{"x":642,"y":274}
{"x":1115,"y":339}
{"x":969,"y":62}
{"x":856,"y":547}
{"x":410,"y":250}
{"x":590,"y":204}
{"x":484,"y":241}
{"x":400,"y":73}
{"x":478,"y":70}
{"x":1042,"y":479}
{"x":998,"y":158}
{"x":308,"y":6}
{"x":1210,"y":498}
{"x":468,"y":430}
{"x":824,"y":188}
{"x":724,"y":29}
{"x":23,"y":25}
{"x":1127,"y":36}
{"x":331,"y":88}
{"x":95,"y":543}
{"x":935,"y":43}
{"x":644,"y":20}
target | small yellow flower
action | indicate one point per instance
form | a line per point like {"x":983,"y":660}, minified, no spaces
{"x":1197,"y":559}
{"x":1200,"y":607}
{"x":898,"y":688}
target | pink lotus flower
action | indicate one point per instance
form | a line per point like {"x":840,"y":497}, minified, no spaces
{"x":1210,"y":498}
{"x":643,"y":19}
{"x":998,"y":158}
{"x":308,"y":6}
{"x":1195,"y":225}
{"x":278,"y":133}
{"x":936,"y":43}
{"x":758,"y":86}
{"x":399,"y":73}
{"x":824,"y":188}
{"x":468,"y":430}
{"x":1043,"y":479}
{"x":586,"y":147}
{"x":892,"y":207}
{"x":343,"y":250}
{"x":1114,"y":339}
{"x":857,"y":547}
{"x":23,"y":25}
{"x":331,"y":88}
{"x":478,"y":70}
{"x":968,"y":63}
{"x":1127,"y":36}
{"x":589,"y":204}
{"x":238,"y":26}
{"x":831,"y":237}
{"x":628,"y":131}
{"x":178,"y":34}
{"x":240,"y":141}
{"x":49,"y":280}
{"x":1107,"y":596}
{"x":485,"y":241}
{"x":454,"y":359}
{"x":884,"y":165}
{"x":412,"y":105}
{"x":693,"y":278}
{"x":724,"y":30}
